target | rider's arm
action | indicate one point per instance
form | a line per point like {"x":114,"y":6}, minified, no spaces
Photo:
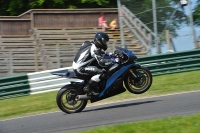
{"x":99,"y":56}
{"x":101,"y":59}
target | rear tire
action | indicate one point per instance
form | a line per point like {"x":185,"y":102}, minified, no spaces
{"x":140,"y":85}
{"x":66,"y":100}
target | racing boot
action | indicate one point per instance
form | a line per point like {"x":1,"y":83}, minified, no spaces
{"x":89,"y":88}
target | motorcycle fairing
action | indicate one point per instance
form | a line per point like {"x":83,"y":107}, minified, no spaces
{"x":64,"y":73}
{"x":116,"y":89}
{"x":114,"y":77}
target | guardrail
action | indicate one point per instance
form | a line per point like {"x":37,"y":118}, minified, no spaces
{"x":31,"y":83}
{"x":172,"y":62}
{"x":14,"y":86}
{"x":41,"y":82}
{"x":44,"y":81}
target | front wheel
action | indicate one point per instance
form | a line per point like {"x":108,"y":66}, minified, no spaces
{"x":66,"y":100}
{"x":138,"y":80}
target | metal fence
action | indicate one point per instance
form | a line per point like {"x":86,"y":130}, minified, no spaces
{"x":171,"y":23}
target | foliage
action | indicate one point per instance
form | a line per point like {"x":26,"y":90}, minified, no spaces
{"x":143,"y":9}
{"x":196,"y":14}
{"x":16,"y":7}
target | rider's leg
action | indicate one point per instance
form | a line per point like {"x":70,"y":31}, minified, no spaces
{"x":89,"y":88}
{"x":92,"y":70}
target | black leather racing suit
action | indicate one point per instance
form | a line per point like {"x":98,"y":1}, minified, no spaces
{"x":88,"y":53}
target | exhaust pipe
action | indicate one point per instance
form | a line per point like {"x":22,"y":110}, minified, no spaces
{"x":83,"y":97}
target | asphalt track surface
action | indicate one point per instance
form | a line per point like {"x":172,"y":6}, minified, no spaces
{"x":108,"y":114}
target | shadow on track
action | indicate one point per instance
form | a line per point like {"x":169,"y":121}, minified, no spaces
{"x":121,"y":105}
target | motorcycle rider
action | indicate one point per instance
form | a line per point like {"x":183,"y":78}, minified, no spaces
{"x":88,"y":53}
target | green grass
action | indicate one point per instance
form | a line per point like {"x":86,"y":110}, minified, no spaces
{"x":46,"y":102}
{"x":181,"y":124}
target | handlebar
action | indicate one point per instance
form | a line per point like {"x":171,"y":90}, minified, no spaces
{"x":118,"y":54}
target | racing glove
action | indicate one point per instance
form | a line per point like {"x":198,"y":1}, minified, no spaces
{"x":115,"y":60}
{"x":108,"y":54}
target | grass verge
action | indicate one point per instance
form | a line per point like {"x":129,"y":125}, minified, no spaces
{"x":46,"y":102}
{"x":181,"y":124}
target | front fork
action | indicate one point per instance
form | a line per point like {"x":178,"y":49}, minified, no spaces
{"x":136,"y":77}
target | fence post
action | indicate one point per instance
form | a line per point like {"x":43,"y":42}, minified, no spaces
{"x":36,"y":58}
{"x":168,"y":40}
{"x":44,"y":57}
{"x":120,"y":15}
{"x":191,"y":25}
{"x":10,"y":63}
{"x":58,"y":55}
{"x":155,"y":27}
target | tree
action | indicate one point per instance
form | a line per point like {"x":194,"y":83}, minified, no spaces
{"x":16,"y":7}
{"x":170,"y":15}
{"x":3,"y":7}
{"x":196,"y":14}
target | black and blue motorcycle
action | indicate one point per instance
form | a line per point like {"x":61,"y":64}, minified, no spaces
{"x":126,"y":75}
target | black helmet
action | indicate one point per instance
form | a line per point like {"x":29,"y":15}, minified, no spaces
{"x":100,"y":40}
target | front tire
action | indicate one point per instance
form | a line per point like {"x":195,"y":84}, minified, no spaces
{"x":142,"y":83}
{"x":66,"y":100}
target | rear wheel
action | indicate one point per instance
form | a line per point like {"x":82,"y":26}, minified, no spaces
{"x":66,"y":100}
{"x":139,"y":81}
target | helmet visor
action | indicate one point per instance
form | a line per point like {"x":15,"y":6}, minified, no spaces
{"x":104,"y":41}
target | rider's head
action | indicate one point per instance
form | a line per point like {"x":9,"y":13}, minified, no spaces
{"x":100,"y":40}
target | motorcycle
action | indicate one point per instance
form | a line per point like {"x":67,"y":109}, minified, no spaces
{"x":122,"y":76}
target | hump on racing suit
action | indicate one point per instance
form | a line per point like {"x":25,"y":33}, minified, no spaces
{"x":87,"y":53}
